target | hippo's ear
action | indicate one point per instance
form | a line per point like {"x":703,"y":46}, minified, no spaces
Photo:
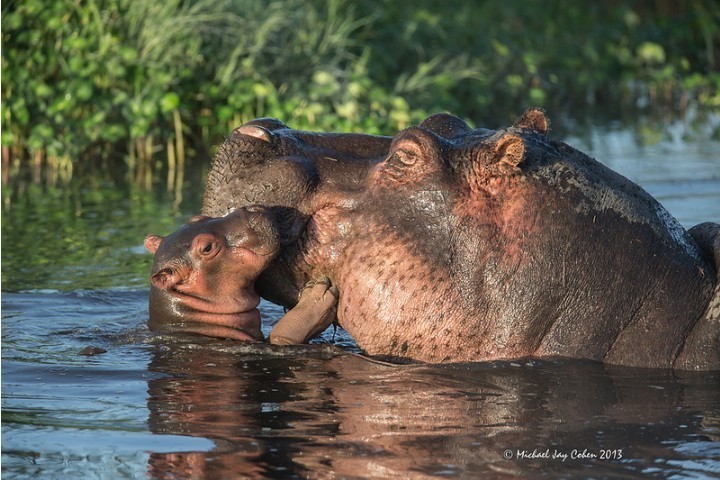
{"x":535,"y":120}
{"x":268,"y":123}
{"x":152,"y":242}
{"x":256,"y":131}
{"x":509,"y":153}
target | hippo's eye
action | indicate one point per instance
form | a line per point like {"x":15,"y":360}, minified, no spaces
{"x":206,"y":245}
{"x":408,"y":158}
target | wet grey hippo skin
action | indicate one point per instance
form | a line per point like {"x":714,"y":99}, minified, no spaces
{"x":459,"y":245}
{"x":203,"y":281}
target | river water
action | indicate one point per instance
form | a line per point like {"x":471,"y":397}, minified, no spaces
{"x":88,"y":392}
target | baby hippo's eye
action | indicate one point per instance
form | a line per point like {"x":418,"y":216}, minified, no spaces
{"x":206,"y":245}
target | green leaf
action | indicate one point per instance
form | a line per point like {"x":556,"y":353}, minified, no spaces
{"x":169,"y":102}
{"x":40,"y":135}
{"x":43,"y":91}
{"x":20,"y":113}
{"x":113,"y":133}
{"x":7,"y":138}
{"x":225,"y":113}
{"x":650,"y":52}
{"x":84,"y":91}
{"x":76,"y":64}
{"x":537,"y":96}
{"x":128,"y":54}
{"x":11,"y":21}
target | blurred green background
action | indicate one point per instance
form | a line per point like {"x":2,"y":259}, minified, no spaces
{"x":142,"y":86}
{"x":111,"y":108}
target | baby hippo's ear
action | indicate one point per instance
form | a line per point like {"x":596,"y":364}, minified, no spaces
{"x":152,"y":242}
{"x":509,"y":153}
{"x":535,"y":120}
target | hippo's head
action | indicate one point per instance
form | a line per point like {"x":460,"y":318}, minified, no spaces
{"x":473,"y":244}
{"x":294,"y":174}
{"x":264,"y":162}
{"x":203,"y":274}
{"x":457,"y":196}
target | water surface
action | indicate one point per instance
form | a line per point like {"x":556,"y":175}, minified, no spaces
{"x":88,"y":392}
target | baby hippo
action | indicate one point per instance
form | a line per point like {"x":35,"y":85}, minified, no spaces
{"x":203,"y":280}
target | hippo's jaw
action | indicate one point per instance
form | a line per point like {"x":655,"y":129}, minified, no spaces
{"x":177,"y":312}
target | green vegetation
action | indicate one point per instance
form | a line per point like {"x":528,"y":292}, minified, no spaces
{"x":99,"y":84}
{"x":97,"y":90}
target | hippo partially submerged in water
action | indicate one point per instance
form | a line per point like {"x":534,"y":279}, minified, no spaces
{"x":204,"y":275}
{"x":453,"y":244}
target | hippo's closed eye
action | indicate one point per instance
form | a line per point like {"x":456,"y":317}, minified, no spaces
{"x":408,"y":157}
{"x":414,"y":159}
{"x":412,"y":147}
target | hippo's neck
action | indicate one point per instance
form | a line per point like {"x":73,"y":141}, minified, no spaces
{"x":396,"y":282}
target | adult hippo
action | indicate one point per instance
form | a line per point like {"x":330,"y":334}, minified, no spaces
{"x":462,"y":244}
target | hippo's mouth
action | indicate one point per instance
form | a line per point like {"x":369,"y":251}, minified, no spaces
{"x":231,"y":308}
{"x":237,"y":318}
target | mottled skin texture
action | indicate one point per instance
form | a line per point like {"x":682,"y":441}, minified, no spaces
{"x":505,"y":244}
{"x":460,"y":244}
{"x":204,"y":274}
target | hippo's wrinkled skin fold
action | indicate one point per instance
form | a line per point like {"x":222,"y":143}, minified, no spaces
{"x":454,"y":244}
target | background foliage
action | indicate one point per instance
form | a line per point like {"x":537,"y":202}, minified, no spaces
{"x":131,"y":86}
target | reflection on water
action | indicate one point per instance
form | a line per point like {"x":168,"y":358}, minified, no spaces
{"x":74,"y":280}
{"x":200,"y":408}
{"x":346,"y":416}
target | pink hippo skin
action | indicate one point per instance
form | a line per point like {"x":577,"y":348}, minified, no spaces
{"x":454,"y":244}
{"x":205,"y":273}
